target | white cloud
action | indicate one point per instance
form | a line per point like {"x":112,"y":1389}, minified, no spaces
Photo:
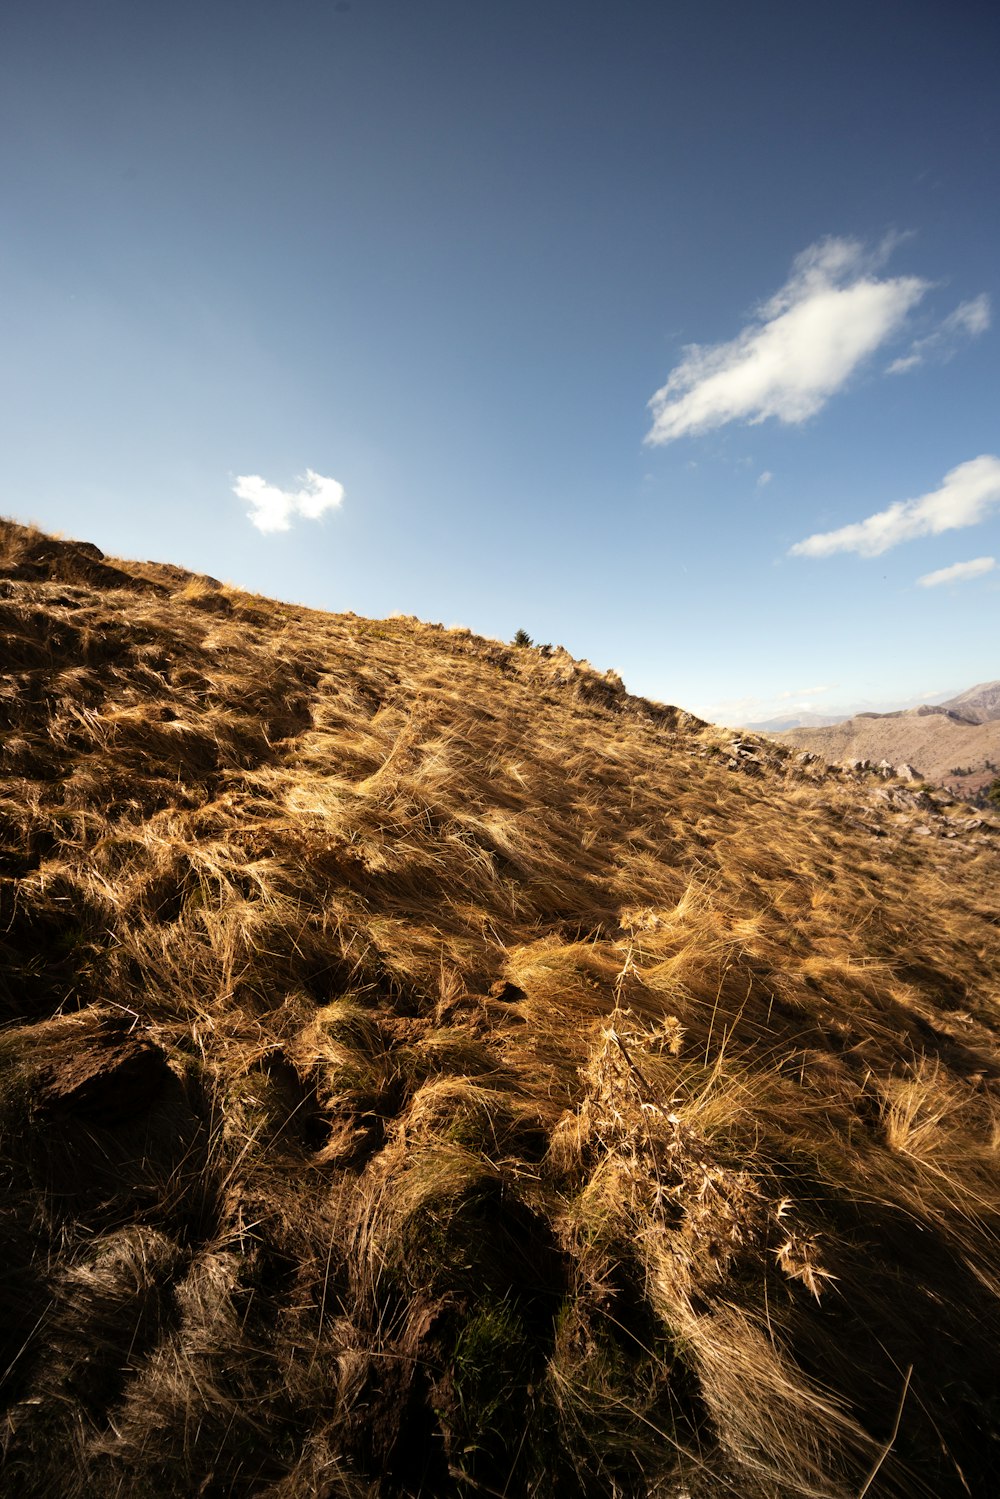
{"x":969,"y":320}
{"x":800,"y":348}
{"x":272,"y":509}
{"x":764,"y":478}
{"x":972,"y":317}
{"x":959,"y":572}
{"x":745,"y":710}
{"x":967,"y":495}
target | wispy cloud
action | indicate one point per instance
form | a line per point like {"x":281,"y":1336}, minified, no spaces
{"x":740,"y":712}
{"x":273,"y":509}
{"x":744,"y":710}
{"x":966,"y":496}
{"x":764,"y":478}
{"x":959,"y":572}
{"x":803,"y":692}
{"x":969,"y":320}
{"x":801,"y":346}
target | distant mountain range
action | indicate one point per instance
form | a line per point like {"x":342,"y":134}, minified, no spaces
{"x":977,"y":704}
{"x":954,"y":744}
{"x":794,"y":721}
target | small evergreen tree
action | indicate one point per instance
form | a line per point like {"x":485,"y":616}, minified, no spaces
{"x":523,"y":638}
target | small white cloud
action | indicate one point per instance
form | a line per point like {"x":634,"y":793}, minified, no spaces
{"x":904,"y":363}
{"x":959,"y":572}
{"x":969,"y":320}
{"x":801,"y":347}
{"x":972,"y":317}
{"x":764,"y":478}
{"x":966,"y":496}
{"x":272,"y":509}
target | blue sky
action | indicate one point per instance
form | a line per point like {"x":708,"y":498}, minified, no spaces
{"x":663,"y":331}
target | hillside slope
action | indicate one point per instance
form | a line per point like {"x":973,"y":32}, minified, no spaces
{"x":428,"y":1070}
{"x":938,"y":741}
{"x":979,"y":703}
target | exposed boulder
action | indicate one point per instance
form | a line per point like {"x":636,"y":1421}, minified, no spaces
{"x":106,"y":1073}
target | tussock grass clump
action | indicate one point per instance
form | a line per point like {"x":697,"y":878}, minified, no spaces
{"x":427,"y":1069}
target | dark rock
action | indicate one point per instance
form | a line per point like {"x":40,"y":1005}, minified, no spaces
{"x":105,"y":1075}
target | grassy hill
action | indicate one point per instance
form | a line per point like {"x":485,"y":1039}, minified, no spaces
{"x":427,"y":1069}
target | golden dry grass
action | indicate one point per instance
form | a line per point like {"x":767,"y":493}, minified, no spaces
{"x":426,"y":1069}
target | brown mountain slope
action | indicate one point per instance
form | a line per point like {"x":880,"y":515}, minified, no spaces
{"x":979,"y":703}
{"x":428,"y":1070}
{"x":938,"y":743}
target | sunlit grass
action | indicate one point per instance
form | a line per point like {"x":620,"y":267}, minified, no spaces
{"x":506,"y":1027}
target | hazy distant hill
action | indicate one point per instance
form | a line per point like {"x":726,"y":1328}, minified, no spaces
{"x":794,"y":721}
{"x":428,"y":1070}
{"x":954,"y":744}
{"x":781,"y":723}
